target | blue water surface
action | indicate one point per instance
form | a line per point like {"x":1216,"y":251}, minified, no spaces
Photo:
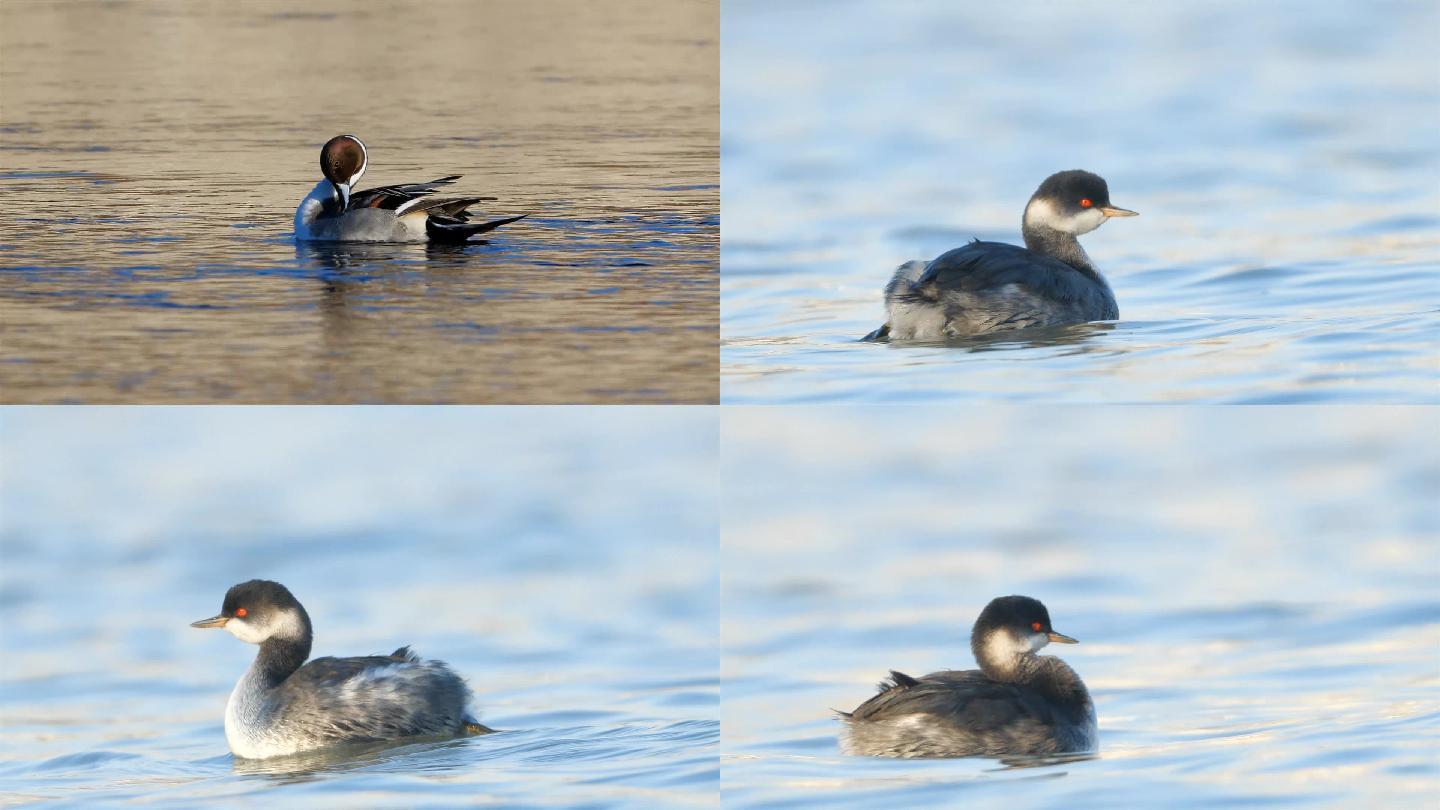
{"x":562,"y":561}
{"x":1256,"y":592}
{"x":1283,"y":157}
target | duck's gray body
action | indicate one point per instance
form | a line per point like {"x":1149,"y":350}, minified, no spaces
{"x":1017,"y":703}
{"x":282,"y":705}
{"x":965,"y":714}
{"x":320,"y":219}
{"x":390,"y":214}
{"x":987,"y":287}
{"x":334,"y":212}
{"x":331,"y":701}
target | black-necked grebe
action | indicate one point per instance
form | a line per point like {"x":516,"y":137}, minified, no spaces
{"x":281,"y":707}
{"x":987,"y":287}
{"x":1016,"y":703}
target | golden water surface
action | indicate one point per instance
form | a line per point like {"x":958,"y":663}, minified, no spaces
{"x":152,"y":155}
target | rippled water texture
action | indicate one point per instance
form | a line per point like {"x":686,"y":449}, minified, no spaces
{"x":1254,"y":591}
{"x":564,"y":566}
{"x":1283,"y":157}
{"x":152,"y":155}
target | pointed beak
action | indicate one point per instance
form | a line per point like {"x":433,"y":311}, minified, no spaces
{"x":1061,"y":638}
{"x":213,"y":621}
{"x":343,"y":189}
{"x":1111,"y":211}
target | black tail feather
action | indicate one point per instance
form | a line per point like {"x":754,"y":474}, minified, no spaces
{"x":456,"y":208}
{"x":881,"y":334}
{"x":473,"y":726}
{"x":446,"y":229}
{"x":898,"y":680}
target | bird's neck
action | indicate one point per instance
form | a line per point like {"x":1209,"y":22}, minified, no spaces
{"x":1056,"y":244}
{"x":277,"y":660}
{"x":1045,"y":674}
{"x":322,"y":202}
{"x":1008,"y":667}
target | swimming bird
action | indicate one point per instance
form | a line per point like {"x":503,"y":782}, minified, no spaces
{"x":1016,"y":703}
{"x":987,"y":287}
{"x":334,"y":212}
{"x":280,"y":707}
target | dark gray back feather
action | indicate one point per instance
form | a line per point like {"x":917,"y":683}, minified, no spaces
{"x":981,"y":266}
{"x":991,"y":286}
{"x":372,"y":698}
{"x":965,"y":713}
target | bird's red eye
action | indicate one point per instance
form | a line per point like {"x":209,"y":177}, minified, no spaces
{"x":242,"y":612}
{"x":1037,"y":625}
{"x":1085,"y":202}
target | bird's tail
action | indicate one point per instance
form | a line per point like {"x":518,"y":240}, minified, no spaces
{"x":447,"y":229}
{"x":472,"y":726}
{"x":906,"y":275}
{"x":878,"y":336}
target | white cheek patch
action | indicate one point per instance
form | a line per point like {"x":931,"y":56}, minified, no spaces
{"x":285,"y":624}
{"x":1043,"y":212}
{"x":1003,"y":648}
{"x":245,"y":631}
{"x":1089,"y":220}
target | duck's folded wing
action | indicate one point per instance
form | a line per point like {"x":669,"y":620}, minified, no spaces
{"x":966,"y":698}
{"x":322,"y":673}
{"x":401,"y":197}
{"x":451,"y":207}
{"x":983,"y":266}
{"x":371,"y":698}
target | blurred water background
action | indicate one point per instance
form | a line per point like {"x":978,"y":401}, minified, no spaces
{"x":1256,"y":592}
{"x":562,"y":561}
{"x":1283,"y":157}
{"x":152,"y":155}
